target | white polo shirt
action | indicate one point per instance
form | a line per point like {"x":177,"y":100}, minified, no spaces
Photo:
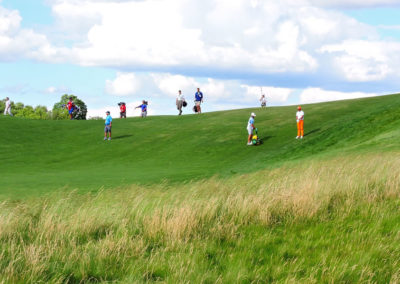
{"x":8,"y":104}
{"x":300,"y":114}
{"x":180,"y":97}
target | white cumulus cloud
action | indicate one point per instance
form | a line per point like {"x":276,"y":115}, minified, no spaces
{"x":273,"y":94}
{"x":354,"y":3}
{"x":124,"y":85}
{"x":362,"y":61}
{"x":316,"y":95}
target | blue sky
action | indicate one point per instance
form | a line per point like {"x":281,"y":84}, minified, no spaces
{"x":111,"y":51}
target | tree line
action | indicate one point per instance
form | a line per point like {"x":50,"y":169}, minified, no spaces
{"x":59,"y":111}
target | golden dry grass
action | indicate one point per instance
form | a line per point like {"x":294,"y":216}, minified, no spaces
{"x":157,"y":233}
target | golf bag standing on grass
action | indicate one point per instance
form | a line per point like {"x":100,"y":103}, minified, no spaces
{"x":256,"y":139}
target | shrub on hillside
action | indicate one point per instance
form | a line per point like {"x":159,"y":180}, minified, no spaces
{"x":61,"y":112}
{"x":26,"y":112}
{"x":16,"y":108}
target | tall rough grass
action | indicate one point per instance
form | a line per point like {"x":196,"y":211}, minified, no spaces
{"x":329,"y":221}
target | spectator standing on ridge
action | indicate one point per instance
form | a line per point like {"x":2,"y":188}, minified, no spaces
{"x":108,"y":125}
{"x":7,"y":109}
{"x":300,"y":123}
{"x":71,"y":108}
{"x":143,"y":106}
{"x":180,"y":99}
{"x":198,"y":99}
{"x":250,"y":128}
{"x":263,"y":101}
{"x":122,"y":110}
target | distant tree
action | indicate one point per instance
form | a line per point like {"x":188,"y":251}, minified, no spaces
{"x":61,"y":112}
{"x":16,"y":108}
{"x":26,"y":112}
{"x":20,"y":110}
{"x":41,"y":112}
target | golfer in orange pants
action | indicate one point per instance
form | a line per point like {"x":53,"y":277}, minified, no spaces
{"x":300,"y":123}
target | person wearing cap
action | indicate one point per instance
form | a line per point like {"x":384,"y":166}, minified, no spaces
{"x":108,"y":125}
{"x":143,"y":107}
{"x":71,"y":108}
{"x":263,"y":101}
{"x":179,"y":102}
{"x":122,"y":110}
{"x":250,"y":128}
{"x":198,"y":99}
{"x":300,"y":123}
{"x":8,"y":107}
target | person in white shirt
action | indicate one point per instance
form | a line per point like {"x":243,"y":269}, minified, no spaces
{"x":250,"y":128}
{"x":179,"y":101}
{"x":263,"y":101}
{"x":8,"y":107}
{"x":300,"y":123}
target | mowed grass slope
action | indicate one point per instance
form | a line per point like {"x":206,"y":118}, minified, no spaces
{"x":42,"y":156}
{"x":322,"y":210}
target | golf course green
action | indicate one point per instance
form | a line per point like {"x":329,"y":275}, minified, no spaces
{"x":183,"y":199}
{"x":40,"y":156}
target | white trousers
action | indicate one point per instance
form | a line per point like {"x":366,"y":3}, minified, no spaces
{"x":8,"y":110}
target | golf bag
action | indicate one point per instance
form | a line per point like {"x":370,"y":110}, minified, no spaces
{"x":195,"y":109}
{"x":184,"y":104}
{"x":255,"y":139}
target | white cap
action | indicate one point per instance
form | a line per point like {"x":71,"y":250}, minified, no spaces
{"x":253,"y":114}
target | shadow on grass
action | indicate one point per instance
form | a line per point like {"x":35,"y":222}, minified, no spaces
{"x":122,"y":136}
{"x":312,"y":131}
{"x":265,"y":138}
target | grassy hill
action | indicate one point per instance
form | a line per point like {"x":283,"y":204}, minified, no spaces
{"x":41,"y":156}
{"x":184,"y":200}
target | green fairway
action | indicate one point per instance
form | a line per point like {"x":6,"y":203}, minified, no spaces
{"x":184,"y":200}
{"x":41,"y":156}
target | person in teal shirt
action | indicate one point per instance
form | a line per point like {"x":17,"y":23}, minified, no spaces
{"x":108,"y":125}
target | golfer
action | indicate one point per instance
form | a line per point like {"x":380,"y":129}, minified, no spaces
{"x":71,"y":108}
{"x":198,"y":99}
{"x":122,"y":110}
{"x":179,"y":102}
{"x":143,"y":106}
{"x":108,"y":125}
{"x":263,"y":101}
{"x":300,"y":123}
{"x":250,"y":128}
{"x":8,"y":107}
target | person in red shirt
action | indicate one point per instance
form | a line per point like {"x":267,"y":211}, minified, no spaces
{"x":71,"y":108}
{"x":122,"y":110}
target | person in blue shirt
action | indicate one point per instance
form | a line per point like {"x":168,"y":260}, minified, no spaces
{"x":143,"y":106}
{"x":107,"y":128}
{"x":198,"y":99}
{"x":250,"y":128}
